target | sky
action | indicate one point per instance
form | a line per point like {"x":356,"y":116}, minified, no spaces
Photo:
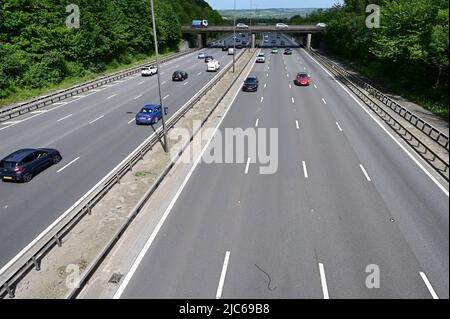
{"x":266,"y":4}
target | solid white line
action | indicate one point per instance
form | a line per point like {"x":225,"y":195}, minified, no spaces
{"x":137,"y":97}
{"x":65,"y":117}
{"x":428,"y":284}
{"x":247,"y":166}
{"x":339,"y":127}
{"x":61,"y":169}
{"x":59,"y":103}
{"x":305,"y":171}
{"x":110,"y":97}
{"x":315,"y":86}
{"x":323,"y":100}
{"x":152,"y":237}
{"x":262,"y":99}
{"x":166,"y":96}
{"x":96,"y":119}
{"x":257,"y":122}
{"x":297,"y":124}
{"x":365,"y":173}
{"x":39,"y":112}
{"x":222,"y":275}
{"x":142,"y":82}
{"x":78,"y":96}
{"x":10,"y":122}
{"x":131,"y":121}
{"x":293,"y":101}
{"x":438,"y":184}
{"x":323,"y":280}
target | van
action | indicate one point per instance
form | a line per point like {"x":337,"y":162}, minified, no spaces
{"x":213,"y":66}
{"x":231,"y":51}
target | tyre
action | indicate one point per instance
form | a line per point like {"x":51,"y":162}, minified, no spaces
{"x":27,"y":177}
{"x":57,"y":159}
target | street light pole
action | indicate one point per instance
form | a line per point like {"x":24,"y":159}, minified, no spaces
{"x":234,"y":37}
{"x":155,"y":39}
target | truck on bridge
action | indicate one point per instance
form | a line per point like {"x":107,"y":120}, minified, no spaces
{"x":199,"y":23}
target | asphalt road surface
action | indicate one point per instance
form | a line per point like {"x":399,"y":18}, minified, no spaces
{"x":345,"y":203}
{"x":94,"y":132}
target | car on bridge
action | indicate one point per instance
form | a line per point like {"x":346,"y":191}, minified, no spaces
{"x":179,"y":76}
{"x":281,"y":26}
{"x":321,"y":25}
{"x":24,"y":164}
{"x":302,"y":78}
{"x":241,"y":26}
{"x":274,"y":51}
{"x":149,"y":114}
{"x":149,"y":71}
{"x":199,"y":23}
{"x":251,"y":84}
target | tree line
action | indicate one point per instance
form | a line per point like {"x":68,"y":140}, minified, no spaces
{"x":38,"y":49}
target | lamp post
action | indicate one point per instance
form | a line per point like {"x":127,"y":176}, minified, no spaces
{"x":155,"y":39}
{"x":234,"y":36}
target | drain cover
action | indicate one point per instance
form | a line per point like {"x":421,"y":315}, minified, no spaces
{"x":115,"y":278}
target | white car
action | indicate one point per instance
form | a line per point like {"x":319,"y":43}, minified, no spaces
{"x":261,"y":58}
{"x":202,"y":55}
{"x":241,"y":26}
{"x":231,"y":51}
{"x":281,"y":26}
{"x":321,"y":25}
{"x":149,"y":71}
{"x":213,"y":66}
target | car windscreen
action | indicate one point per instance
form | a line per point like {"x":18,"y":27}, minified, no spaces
{"x":302,"y":75}
{"x":250,"y":81}
{"x":7,"y":165}
{"x":148,"y":111}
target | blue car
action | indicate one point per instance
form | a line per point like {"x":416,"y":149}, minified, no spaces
{"x":149,"y":114}
{"x":24,"y":164}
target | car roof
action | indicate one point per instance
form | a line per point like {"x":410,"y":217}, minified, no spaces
{"x":252,"y":77}
{"x":150,"y":106}
{"x":19,"y":155}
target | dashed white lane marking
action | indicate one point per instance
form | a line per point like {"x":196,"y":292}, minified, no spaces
{"x":315,"y":86}
{"x":166,"y":96}
{"x":290,"y":85}
{"x":428,"y":284}
{"x":142,"y":82}
{"x":257,"y":122}
{"x":137,"y":97}
{"x":98,"y":118}
{"x":185,"y":83}
{"x":247,"y":166}
{"x":222,"y":275}
{"x":199,"y":73}
{"x":339,"y":127}
{"x":262,"y":99}
{"x":265,"y":85}
{"x":267,"y":75}
{"x":63,"y":168}
{"x":131,"y":121}
{"x":287,"y":75}
{"x":297,"y":124}
{"x":305,"y":170}
{"x":110,"y":97}
{"x":323,"y":280}
{"x":65,"y":117}
{"x":323,"y":100}
{"x":39,"y":112}
{"x":293,"y":100}
{"x":365,"y":173}
{"x":163,"y":82}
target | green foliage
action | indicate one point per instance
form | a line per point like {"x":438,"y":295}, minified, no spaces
{"x":38,"y":50}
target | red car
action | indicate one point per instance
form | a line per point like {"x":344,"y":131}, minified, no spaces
{"x":302,"y":79}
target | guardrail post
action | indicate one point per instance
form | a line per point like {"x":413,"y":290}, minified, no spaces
{"x":36,"y":263}
{"x":58,"y":241}
{"x":118,"y":178}
{"x":9,"y":291}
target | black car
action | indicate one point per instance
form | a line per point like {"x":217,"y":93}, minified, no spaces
{"x":251,"y":84}
{"x":224,"y":48}
{"x":24,"y":164}
{"x":244,"y":42}
{"x":209,"y":58}
{"x":179,"y":76}
{"x":239,"y":46}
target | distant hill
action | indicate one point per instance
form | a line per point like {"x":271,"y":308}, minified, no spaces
{"x":267,"y":13}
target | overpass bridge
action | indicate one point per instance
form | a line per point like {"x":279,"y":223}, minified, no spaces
{"x":305,"y":29}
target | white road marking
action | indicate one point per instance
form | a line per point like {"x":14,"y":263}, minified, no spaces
{"x":428,"y":284}
{"x":65,"y":117}
{"x":247,"y":166}
{"x":199,"y":73}
{"x":142,"y":82}
{"x":163,"y":82}
{"x":223,"y":274}
{"x":267,"y":75}
{"x":323,"y":100}
{"x":365,"y":173}
{"x":63,"y":168}
{"x":262,"y":99}
{"x":315,"y":86}
{"x":290,"y":85}
{"x":257,"y":122}
{"x":152,"y":237}
{"x":304,"y":68}
{"x":435,"y":181}
{"x":297,"y":124}
{"x":10,"y":122}
{"x":131,"y":121}
{"x":39,"y":112}
{"x":137,"y":97}
{"x":293,"y":101}
{"x":60,"y":103}
{"x":185,"y":83}
{"x":166,"y":96}
{"x":96,"y":119}
{"x":323,"y":280}
{"x":110,"y":97}
{"x":339,"y":127}
{"x":305,"y":171}
{"x":287,"y":75}
{"x":265,"y":85}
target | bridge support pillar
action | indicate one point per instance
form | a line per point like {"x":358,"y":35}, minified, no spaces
{"x":253,"y":40}
{"x":308,"y":41}
{"x":201,"y":40}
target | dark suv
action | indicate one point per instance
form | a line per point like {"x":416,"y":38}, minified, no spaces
{"x":251,"y":84}
{"x":179,"y":76}
{"x":24,"y":164}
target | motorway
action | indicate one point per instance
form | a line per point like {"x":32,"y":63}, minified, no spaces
{"x":94,"y":132}
{"x":346,"y":200}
